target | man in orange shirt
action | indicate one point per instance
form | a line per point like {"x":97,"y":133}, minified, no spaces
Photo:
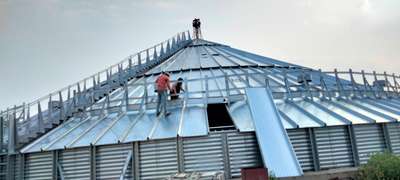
{"x":163,"y":85}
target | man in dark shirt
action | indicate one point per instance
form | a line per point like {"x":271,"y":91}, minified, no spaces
{"x":176,"y":89}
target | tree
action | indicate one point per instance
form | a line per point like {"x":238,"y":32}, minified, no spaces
{"x":381,"y":166}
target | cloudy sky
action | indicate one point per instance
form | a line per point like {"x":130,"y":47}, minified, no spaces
{"x":48,"y":44}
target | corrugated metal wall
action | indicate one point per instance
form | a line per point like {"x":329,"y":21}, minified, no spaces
{"x":203,"y":153}
{"x":3,"y":167}
{"x":18,"y":169}
{"x":38,"y":166}
{"x":158,"y":159}
{"x":110,"y":160}
{"x":370,"y":139}
{"x":75,"y":163}
{"x":243,"y":152}
{"x":334,"y":147}
{"x":301,"y":143}
{"x":394,"y":133}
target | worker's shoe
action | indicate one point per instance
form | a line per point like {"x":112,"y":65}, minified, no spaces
{"x":167,"y":113}
{"x":158,"y":113}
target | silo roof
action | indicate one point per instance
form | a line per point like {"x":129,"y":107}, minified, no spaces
{"x":217,"y":73}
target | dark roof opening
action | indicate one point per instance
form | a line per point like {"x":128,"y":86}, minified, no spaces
{"x":219,"y":118}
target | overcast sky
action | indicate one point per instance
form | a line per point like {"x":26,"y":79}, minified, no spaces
{"x":47,"y":44}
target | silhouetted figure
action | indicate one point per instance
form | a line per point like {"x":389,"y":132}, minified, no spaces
{"x":196,"y":28}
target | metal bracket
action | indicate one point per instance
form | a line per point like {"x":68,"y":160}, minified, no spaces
{"x":126,"y":164}
{"x":324,"y":87}
{"x":367,"y":86}
{"x":60,"y":171}
{"x":288,"y":91}
{"x":338,"y":84}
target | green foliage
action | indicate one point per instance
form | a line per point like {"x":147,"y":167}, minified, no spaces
{"x":381,"y":166}
{"x":271,"y":176}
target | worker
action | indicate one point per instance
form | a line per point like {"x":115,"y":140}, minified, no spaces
{"x":163,"y":85}
{"x":194,"y":23}
{"x":176,"y":89}
{"x":198,"y":23}
{"x":196,"y":28}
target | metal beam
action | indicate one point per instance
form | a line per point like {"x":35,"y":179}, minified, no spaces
{"x":337,"y":116}
{"x":130,"y":126}
{"x":1,"y":134}
{"x":314,"y":149}
{"x":380,"y":106}
{"x":55,"y":165}
{"x":288,"y":119}
{"x":386,"y":136}
{"x":367,"y":86}
{"x":225,"y":150}
{"x":371,"y":111}
{"x":12,"y":133}
{"x":287,"y":87}
{"x":60,"y":171}
{"x":181,"y":117}
{"x":180,"y":154}
{"x":324,"y":87}
{"x":10,"y":166}
{"x":65,"y":134}
{"x":355,"y":113}
{"x":216,"y":82}
{"x":92,"y":162}
{"x":90,"y":128}
{"x":126,"y":164}
{"x":108,"y":128}
{"x":338,"y":83}
{"x":353,"y":143}
{"x":22,"y":166}
{"x":136,"y":164}
{"x":312,"y":117}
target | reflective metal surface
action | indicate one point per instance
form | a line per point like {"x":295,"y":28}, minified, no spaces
{"x":215,"y":73}
{"x":276,"y":149}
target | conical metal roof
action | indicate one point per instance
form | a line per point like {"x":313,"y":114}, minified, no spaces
{"x":217,"y":73}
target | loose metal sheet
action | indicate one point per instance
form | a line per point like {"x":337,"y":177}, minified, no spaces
{"x":276,"y":149}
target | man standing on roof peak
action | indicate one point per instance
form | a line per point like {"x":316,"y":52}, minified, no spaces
{"x":163,"y":85}
{"x":196,"y":28}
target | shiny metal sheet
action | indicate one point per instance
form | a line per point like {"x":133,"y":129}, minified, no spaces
{"x":354,"y":118}
{"x":53,"y":135}
{"x":167,"y":127}
{"x":297,"y":116}
{"x":63,"y":140}
{"x":363,"y":111}
{"x":114,"y":133}
{"x":142,"y":129}
{"x":90,"y":134}
{"x":241,"y":116}
{"x":194,"y":122}
{"x":320,"y":114}
{"x":276,"y":149}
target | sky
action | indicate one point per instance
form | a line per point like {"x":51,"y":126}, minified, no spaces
{"x":46,"y":45}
